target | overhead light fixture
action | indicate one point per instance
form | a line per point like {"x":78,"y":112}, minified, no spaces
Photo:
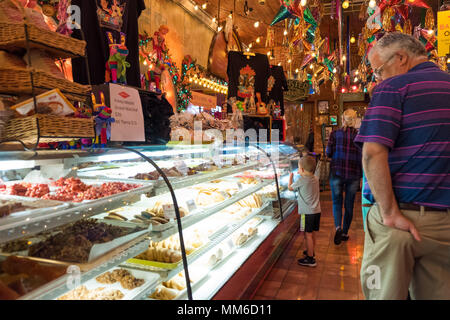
{"x":256,"y":24}
{"x":214,"y":20}
{"x":334,"y":70}
{"x":258,"y":40}
{"x":230,"y":15}
{"x":354,"y":88}
{"x":343,"y":90}
{"x":289,"y":61}
{"x":344,"y":58}
{"x":219,"y":28}
{"x":355,"y":80}
{"x":372,"y":4}
{"x":285,"y":32}
{"x":356,"y":72}
{"x":279,"y":63}
{"x":345,"y":4}
{"x":248,"y":49}
{"x":145,"y":62}
{"x":296,"y":70}
{"x":268,"y":53}
{"x":196,"y":7}
{"x":352,"y":39}
{"x":303,"y":3}
{"x":311,"y":66}
{"x":204,"y":5}
{"x":430,"y":32}
{"x":313,"y":55}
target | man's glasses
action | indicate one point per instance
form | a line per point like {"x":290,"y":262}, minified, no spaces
{"x":378,"y":71}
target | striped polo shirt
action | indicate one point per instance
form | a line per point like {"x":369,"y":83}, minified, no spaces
{"x":410,"y":114}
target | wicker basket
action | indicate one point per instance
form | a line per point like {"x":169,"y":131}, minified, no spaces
{"x":47,"y":128}
{"x":18,"y":81}
{"x":13,"y":35}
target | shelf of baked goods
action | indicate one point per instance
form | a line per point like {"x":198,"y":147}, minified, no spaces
{"x":203,"y":239}
{"x":29,"y":208}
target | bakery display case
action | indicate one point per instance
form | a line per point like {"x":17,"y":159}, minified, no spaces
{"x":151,"y":222}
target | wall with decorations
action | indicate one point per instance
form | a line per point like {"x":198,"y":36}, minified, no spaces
{"x":187,"y":34}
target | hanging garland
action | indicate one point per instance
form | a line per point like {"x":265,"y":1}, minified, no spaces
{"x":163,"y":60}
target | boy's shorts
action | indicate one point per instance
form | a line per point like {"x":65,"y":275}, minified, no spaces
{"x":310,"y":222}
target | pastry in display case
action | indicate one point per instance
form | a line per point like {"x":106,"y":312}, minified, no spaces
{"x":110,"y":213}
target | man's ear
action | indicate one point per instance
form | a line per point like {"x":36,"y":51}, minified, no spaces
{"x":403,"y":57}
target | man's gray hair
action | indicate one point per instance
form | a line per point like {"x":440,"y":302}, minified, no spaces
{"x":394,"y":41}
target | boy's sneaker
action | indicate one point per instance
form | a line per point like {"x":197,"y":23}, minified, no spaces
{"x":344,"y":237}
{"x":305,"y":253}
{"x":338,"y":236}
{"x":307,"y":261}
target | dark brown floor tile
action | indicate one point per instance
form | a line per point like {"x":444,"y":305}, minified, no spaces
{"x":307,"y":292}
{"x":340,"y":283}
{"x":269,"y":288}
{"x":262,"y":298}
{"x":295,"y":277}
{"x":338,"y":270}
{"x":277,"y":274}
{"x":330,"y":294}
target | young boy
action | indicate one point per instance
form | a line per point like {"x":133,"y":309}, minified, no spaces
{"x":308,"y":205}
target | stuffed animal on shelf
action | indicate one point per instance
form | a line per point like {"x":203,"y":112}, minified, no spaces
{"x":116,"y":66}
{"x":102,"y":120}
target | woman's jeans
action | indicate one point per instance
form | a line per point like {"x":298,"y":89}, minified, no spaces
{"x":338,"y":186}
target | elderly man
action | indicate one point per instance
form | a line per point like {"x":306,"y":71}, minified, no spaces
{"x":406,"y":159}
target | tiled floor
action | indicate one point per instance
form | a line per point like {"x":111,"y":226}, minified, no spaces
{"x":336,"y":275}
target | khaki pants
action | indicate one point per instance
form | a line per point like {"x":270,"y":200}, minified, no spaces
{"x":394,"y":262}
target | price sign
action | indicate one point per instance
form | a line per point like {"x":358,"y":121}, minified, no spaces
{"x":126,"y":109}
{"x":181,"y":167}
{"x":218,"y":161}
{"x":169,"y":211}
{"x":191,"y":205}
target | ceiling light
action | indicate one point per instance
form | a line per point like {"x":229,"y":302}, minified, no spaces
{"x":344,"y":58}
{"x":352,"y":40}
{"x":256,"y":24}
{"x":372,"y":4}
{"x":285,"y":32}
{"x":313,"y":54}
{"x":204,"y":5}
{"x":250,"y":45}
{"x":355,"y":80}
{"x":430,"y":32}
{"x":145,"y":62}
{"x":356,"y":72}
{"x":303,"y":3}
{"x":311,"y":66}
{"x":279,"y":63}
{"x":343,"y":90}
{"x":345,"y":4}
{"x":214,"y":20}
{"x":354,"y":88}
{"x":219,"y":28}
{"x":196,"y":7}
{"x":258,"y":40}
{"x":296,"y":70}
{"x":268,"y":53}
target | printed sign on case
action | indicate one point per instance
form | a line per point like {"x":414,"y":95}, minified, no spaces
{"x":127,"y":111}
{"x":443,"y":35}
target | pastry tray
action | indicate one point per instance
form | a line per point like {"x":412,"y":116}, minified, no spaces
{"x":200,"y":273}
{"x":162,"y":265}
{"x":149,"y":277}
{"x":30,"y":212}
{"x":99,"y":253}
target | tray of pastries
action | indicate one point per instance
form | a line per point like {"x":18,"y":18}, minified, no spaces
{"x":115,"y":284}
{"x":83,"y":243}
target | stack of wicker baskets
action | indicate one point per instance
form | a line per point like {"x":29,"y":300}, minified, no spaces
{"x":23,"y":81}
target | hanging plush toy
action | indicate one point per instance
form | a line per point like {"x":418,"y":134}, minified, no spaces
{"x":116,"y":66}
{"x":103,"y":120}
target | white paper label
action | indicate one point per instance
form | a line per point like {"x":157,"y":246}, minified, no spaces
{"x":191,"y":205}
{"x":126,"y":109}
{"x":229,"y":161}
{"x":169,"y":211}
{"x":181,"y":167}
{"x":240,"y":159}
{"x":239,"y":185}
{"x":218,"y":161}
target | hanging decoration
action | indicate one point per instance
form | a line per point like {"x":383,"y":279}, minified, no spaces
{"x":156,"y":60}
{"x":389,"y":16}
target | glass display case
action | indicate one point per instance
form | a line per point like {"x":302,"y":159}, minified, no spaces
{"x":153,"y":222}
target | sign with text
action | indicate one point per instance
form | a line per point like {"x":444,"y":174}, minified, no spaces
{"x":127,"y":111}
{"x":297,"y":90}
{"x":204,"y":100}
{"x":443,"y":34}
